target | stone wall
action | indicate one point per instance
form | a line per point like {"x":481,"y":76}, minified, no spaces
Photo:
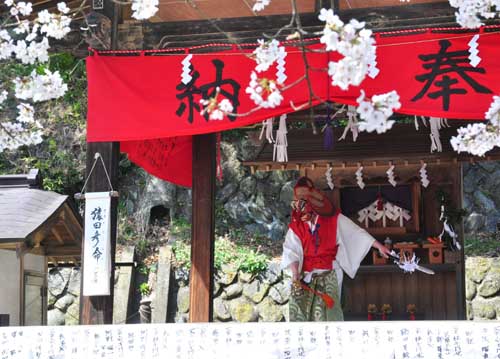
{"x":258,"y":203}
{"x":483,"y":288}
{"x":239,"y":296}
{"x":64,"y":296}
{"x":482,"y":196}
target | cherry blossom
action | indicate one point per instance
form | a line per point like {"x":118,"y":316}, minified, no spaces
{"x":267,"y":53}
{"x":470,"y":12}
{"x":40,"y":87}
{"x":479,"y":138}
{"x":374,"y":113}
{"x":216,"y":110}
{"x":355,"y":43}
{"x":260,"y":5}
{"x":144,"y":9}
{"x":264,"y":92}
{"x":30,"y":45}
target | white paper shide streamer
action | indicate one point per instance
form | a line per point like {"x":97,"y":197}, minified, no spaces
{"x":280,"y":67}
{"x":448,"y":228}
{"x":424,"y":180}
{"x":390,"y":176}
{"x":186,"y":70}
{"x":97,"y":245}
{"x":474,"y":59}
{"x":352,"y":124}
{"x":389,"y":211}
{"x":329,"y":178}
{"x":267,"y":129}
{"x":437,"y":124}
{"x":359,"y":177}
{"x":280,"y":147}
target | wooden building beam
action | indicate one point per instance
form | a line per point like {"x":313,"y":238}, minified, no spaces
{"x":99,"y":309}
{"x":202,"y":231}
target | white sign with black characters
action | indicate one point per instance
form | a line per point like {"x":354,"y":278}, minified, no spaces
{"x":97,"y":244}
{"x":348,"y":340}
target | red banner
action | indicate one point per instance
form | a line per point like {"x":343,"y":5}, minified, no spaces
{"x":138,"y":98}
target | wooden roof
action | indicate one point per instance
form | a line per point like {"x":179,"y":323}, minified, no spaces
{"x":41,"y":220}
{"x":400,"y":145}
{"x":175,"y":10}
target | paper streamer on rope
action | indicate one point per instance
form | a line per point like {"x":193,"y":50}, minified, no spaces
{"x":352,"y":124}
{"x":474,"y":59}
{"x":359,"y":177}
{"x":424,"y":180}
{"x":389,"y":211}
{"x":436,"y":125}
{"x":280,"y":147}
{"x":267,"y":129}
{"x":417,"y":127}
{"x":390,"y":176}
{"x":186,"y":70}
{"x":97,"y":244}
{"x":448,"y":228}
{"x":329,"y":178}
{"x":280,"y":67}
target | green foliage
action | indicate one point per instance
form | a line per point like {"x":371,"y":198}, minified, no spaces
{"x":144,"y":270}
{"x":180,"y":228}
{"x":251,"y":261}
{"x":61,"y":156}
{"x":182,"y":254}
{"x":144,"y":289}
{"x":482,"y":244}
{"x":227,"y":252}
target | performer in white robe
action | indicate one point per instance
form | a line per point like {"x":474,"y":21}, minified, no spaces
{"x":320,"y":245}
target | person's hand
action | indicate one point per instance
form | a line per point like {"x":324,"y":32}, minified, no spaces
{"x":297,"y":290}
{"x":383,"y":250}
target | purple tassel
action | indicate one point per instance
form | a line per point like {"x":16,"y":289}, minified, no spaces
{"x":328,"y":139}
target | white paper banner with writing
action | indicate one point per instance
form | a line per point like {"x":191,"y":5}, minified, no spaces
{"x":348,"y":340}
{"x":97,"y":254}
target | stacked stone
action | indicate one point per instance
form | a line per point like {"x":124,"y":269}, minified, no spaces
{"x":244,"y":297}
{"x":482,"y":288}
{"x":482,"y":196}
{"x":64,"y":296}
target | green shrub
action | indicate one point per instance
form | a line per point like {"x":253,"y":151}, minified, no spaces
{"x":144,"y":289}
{"x":227,"y":252}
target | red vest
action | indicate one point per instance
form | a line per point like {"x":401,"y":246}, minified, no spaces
{"x":320,"y":247}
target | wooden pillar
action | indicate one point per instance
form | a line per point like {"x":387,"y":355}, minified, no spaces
{"x":202,"y":230}
{"x":99,"y":309}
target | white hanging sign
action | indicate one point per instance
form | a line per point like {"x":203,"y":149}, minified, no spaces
{"x":97,"y":244}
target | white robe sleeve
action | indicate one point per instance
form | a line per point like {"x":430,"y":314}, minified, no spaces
{"x":292,"y":251}
{"x":354,"y":243}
